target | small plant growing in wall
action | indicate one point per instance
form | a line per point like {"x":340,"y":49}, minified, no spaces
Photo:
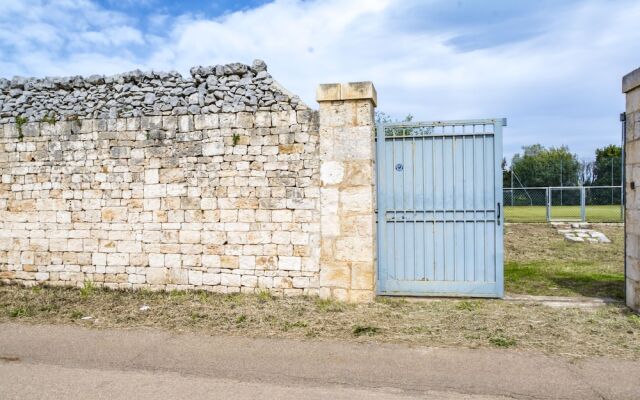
{"x":20,"y":121}
{"x":236,"y":139}
{"x":49,"y":119}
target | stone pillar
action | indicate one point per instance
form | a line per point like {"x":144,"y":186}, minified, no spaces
{"x":631,"y":87}
{"x":347,"y":174}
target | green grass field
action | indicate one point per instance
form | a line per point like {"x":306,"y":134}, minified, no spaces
{"x":539,"y":213}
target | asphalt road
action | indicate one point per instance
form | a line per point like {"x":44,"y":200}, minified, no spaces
{"x":66,"y":362}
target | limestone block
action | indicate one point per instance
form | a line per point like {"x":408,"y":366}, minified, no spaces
{"x":359,"y":173}
{"x":42,"y":276}
{"x":206,"y":121}
{"x":267,"y":262}
{"x":357,"y":199}
{"x":249,"y":281}
{"x":157,"y":276}
{"x":244,"y":120}
{"x":281,"y":216}
{"x":362,"y":276}
{"x":213,"y":149}
{"x":151,"y":176}
{"x":299,"y":238}
{"x":195,"y":277}
{"x":359,"y":91}
{"x":178,"y":276}
{"x":329,"y":92}
{"x":354,"y":249}
{"x":227,"y":120}
{"x":263,"y":119}
{"x":335,"y":275}
{"x":283,"y":118}
{"x":210,"y":279}
{"x":289,"y":263}
{"x":230,"y":280}
{"x":282,"y":282}
{"x":185,"y":123}
{"x":114,"y":214}
{"x":156,"y":260}
{"x":230,"y":262}
{"x":117,"y":259}
{"x":155,"y":191}
{"x":331,"y":172}
{"x":633,"y":294}
{"x":189,"y":236}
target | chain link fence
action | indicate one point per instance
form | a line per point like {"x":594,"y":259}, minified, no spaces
{"x":577,"y":203}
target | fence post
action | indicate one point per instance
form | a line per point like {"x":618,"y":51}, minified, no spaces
{"x":583,"y":205}
{"x":548,"y":194}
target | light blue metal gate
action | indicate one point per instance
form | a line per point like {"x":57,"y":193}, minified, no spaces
{"x":439,"y":208}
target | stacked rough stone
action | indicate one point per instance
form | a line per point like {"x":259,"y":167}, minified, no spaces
{"x":156,"y":181}
{"x":222,"y":88}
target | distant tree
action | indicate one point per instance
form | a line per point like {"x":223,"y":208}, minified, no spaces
{"x":540,"y":166}
{"x":585,"y":177}
{"x":506,"y":174}
{"x":607,"y":169}
{"x":384,"y":118}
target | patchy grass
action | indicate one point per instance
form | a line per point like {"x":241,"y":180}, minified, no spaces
{"x":607,"y":331}
{"x":360,"y":330}
{"x":539,"y":261}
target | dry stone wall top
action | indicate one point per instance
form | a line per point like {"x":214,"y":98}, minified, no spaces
{"x":227,"y":88}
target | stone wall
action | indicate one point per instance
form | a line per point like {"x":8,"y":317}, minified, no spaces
{"x":158,"y":181}
{"x":631,"y":87}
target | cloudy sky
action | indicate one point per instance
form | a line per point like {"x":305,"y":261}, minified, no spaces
{"x":553,"y":68}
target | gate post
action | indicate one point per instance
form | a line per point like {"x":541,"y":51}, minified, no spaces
{"x":347,"y":191}
{"x":548,"y":200}
{"x":631,"y":87}
{"x":583,"y":204}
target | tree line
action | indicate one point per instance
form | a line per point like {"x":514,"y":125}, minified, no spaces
{"x":539,"y":166}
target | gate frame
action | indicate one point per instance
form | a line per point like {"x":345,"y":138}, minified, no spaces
{"x":498,"y":124}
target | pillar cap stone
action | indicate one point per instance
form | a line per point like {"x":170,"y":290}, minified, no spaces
{"x":347,"y":91}
{"x":631,"y":81}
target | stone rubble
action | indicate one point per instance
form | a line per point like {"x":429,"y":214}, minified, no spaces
{"x":227,"y":88}
{"x":580,"y":232}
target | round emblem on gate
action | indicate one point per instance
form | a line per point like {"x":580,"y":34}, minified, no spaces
{"x":399,"y":167}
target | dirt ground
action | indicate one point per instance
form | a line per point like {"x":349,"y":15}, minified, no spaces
{"x":610,"y":330}
{"x":538,"y":261}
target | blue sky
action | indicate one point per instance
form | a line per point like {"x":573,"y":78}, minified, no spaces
{"x":553,"y":68}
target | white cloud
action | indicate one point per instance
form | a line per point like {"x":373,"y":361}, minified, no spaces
{"x":559,"y":86}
